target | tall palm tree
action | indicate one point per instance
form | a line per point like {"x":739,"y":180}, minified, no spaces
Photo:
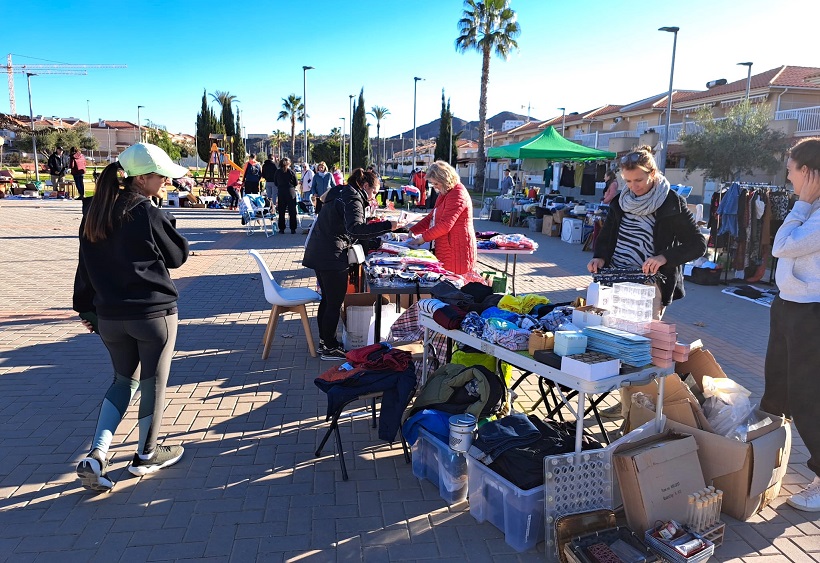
{"x":294,"y":110}
{"x":225,"y":101}
{"x":277,"y":139}
{"x":485,"y":27}
{"x":379,"y":113}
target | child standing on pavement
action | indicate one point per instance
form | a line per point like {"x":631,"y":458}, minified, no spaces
{"x":123,"y":291}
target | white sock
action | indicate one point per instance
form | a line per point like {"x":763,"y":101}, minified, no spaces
{"x":146,"y":457}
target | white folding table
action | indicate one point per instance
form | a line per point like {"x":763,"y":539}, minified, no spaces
{"x":524,"y":361}
{"x":507,"y":252}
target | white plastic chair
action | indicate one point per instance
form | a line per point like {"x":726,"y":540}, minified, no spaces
{"x":256,"y":217}
{"x":284,"y":300}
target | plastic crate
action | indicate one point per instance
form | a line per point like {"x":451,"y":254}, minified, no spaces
{"x":518,"y":513}
{"x":435,"y":461}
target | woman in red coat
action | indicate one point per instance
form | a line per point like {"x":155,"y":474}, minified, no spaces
{"x":450,"y":225}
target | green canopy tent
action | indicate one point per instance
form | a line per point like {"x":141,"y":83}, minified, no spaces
{"x":549,"y":145}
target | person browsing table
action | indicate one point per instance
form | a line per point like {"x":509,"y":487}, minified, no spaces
{"x":449,"y":226}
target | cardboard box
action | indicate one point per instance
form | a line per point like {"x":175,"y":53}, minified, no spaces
{"x":358,"y":313}
{"x":660,"y":326}
{"x":599,"y":296}
{"x":663,"y":345}
{"x":679,"y":404}
{"x":701,"y":362}
{"x":749,"y":474}
{"x":551,"y":227}
{"x":655,"y":476}
{"x":656,"y":336}
{"x":540,"y":340}
{"x":591,"y":366}
{"x":588,"y":316}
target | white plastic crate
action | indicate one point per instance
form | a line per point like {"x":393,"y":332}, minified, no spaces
{"x":519,"y":513}
{"x":435,"y":461}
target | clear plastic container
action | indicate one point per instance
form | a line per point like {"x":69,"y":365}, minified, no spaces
{"x":519,"y":513}
{"x":435,"y":461}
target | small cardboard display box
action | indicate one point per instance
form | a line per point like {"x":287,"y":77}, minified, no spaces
{"x":656,"y":475}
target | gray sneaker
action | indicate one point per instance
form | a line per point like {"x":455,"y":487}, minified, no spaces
{"x":164,"y":456}
{"x":611,"y":412}
{"x":93,"y":472}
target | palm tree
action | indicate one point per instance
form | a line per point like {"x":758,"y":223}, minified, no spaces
{"x":294,"y":110}
{"x":379,"y":113}
{"x":225,"y":101}
{"x":487,"y":26}
{"x":276,"y":140}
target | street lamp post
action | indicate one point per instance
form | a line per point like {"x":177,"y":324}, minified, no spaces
{"x":304,"y":105}
{"x":748,"y":78}
{"x":342,"y":147}
{"x":415,"y":82}
{"x":563,"y":120}
{"x":673,"y":30}
{"x":139,"y":123}
{"x":350,"y":140}
{"x":90,"y":136}
{"x":33,"y":137}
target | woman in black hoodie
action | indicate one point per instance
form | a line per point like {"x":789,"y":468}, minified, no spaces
{"x":123,"y":291}
{"x":285,"y":180}
{"x":342,"y":221}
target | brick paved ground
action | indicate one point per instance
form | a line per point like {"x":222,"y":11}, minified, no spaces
{"x":249,"y":486}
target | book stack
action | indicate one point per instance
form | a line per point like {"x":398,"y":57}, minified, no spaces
{"x":631,"y":349}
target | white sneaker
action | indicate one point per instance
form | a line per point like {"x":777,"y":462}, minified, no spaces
{"x":808,"y":499}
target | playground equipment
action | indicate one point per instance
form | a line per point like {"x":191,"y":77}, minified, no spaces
{"x":219,"y":160}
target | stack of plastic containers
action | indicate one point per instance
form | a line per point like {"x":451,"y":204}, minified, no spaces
{"x":632,"y":307}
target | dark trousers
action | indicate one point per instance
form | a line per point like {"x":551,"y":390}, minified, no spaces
{"x":78,"y":181}
{"x":236,"y":194}
{"x":792,"y":376}
{"x":319,"y":205}
{"x":285,"y":203}
{"x":251,"y":187}
{"x":333,"y":284}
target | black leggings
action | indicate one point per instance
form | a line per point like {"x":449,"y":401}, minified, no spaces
{"x":333,"y":284}
{"x":792,"y":383}
{"x":236,"y":194}
{"x":141,"y":351}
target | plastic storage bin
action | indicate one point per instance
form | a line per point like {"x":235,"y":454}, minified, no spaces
{"x":435,"y":461}
{"x":519,"y":513}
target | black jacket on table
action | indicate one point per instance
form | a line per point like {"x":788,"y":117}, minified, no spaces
{"x":676,"y":237}
{"x":340,"y":223}
{"x":126,"y":275}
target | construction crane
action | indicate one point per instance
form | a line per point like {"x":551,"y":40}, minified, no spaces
{"x":54,"y":68}
{"x":34,"y":70}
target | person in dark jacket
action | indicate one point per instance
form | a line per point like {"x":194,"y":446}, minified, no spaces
{"x":56,"y":167}
{"x":342,"y":221}
{"x":268,"y":174}
{"x":123,"y":291}
{"x":285,"y":180}
{"x":648,"y":227}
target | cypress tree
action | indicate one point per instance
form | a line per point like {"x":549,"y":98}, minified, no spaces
{"x":444,"y":127}
{"x":204,"y":124}
{"x":238,"y":145}
{"x":360,"y":135}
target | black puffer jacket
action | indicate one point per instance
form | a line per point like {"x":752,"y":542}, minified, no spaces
{"x":340,"y":223}
{"x":677,"y":238}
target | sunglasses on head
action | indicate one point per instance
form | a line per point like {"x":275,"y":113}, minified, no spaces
{"x":633,"y":158}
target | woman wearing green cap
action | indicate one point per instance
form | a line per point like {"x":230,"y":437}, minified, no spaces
{"x":123,"y":291}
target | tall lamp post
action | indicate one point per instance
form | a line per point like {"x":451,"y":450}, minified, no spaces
{"x":139,"y":123}
{"x":33,"y":137}
{"x":88,"y":108}
{"x":673,"y":30}
{"x":563,"y":120}
{"x":304,"y":105}
{"x":415,"y":82}
{"x":342,"y":147}
{"x":350,"y":140}
{"x":748,"y":78}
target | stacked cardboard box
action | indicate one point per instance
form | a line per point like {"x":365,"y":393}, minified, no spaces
{"x":665,"y":346}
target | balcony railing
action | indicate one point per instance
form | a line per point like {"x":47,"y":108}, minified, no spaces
{"x":808,"y":119}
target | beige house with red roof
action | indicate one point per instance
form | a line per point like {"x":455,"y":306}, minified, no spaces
{"x":113,"y":137}
{"x":791,"y":95}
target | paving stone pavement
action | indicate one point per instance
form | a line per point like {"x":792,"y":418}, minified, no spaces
{"x":249,"y":486}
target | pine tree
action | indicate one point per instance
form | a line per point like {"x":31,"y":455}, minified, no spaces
{"x":360,"y":136}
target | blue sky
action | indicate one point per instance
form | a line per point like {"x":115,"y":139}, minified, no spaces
{"x":579,"y":54}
